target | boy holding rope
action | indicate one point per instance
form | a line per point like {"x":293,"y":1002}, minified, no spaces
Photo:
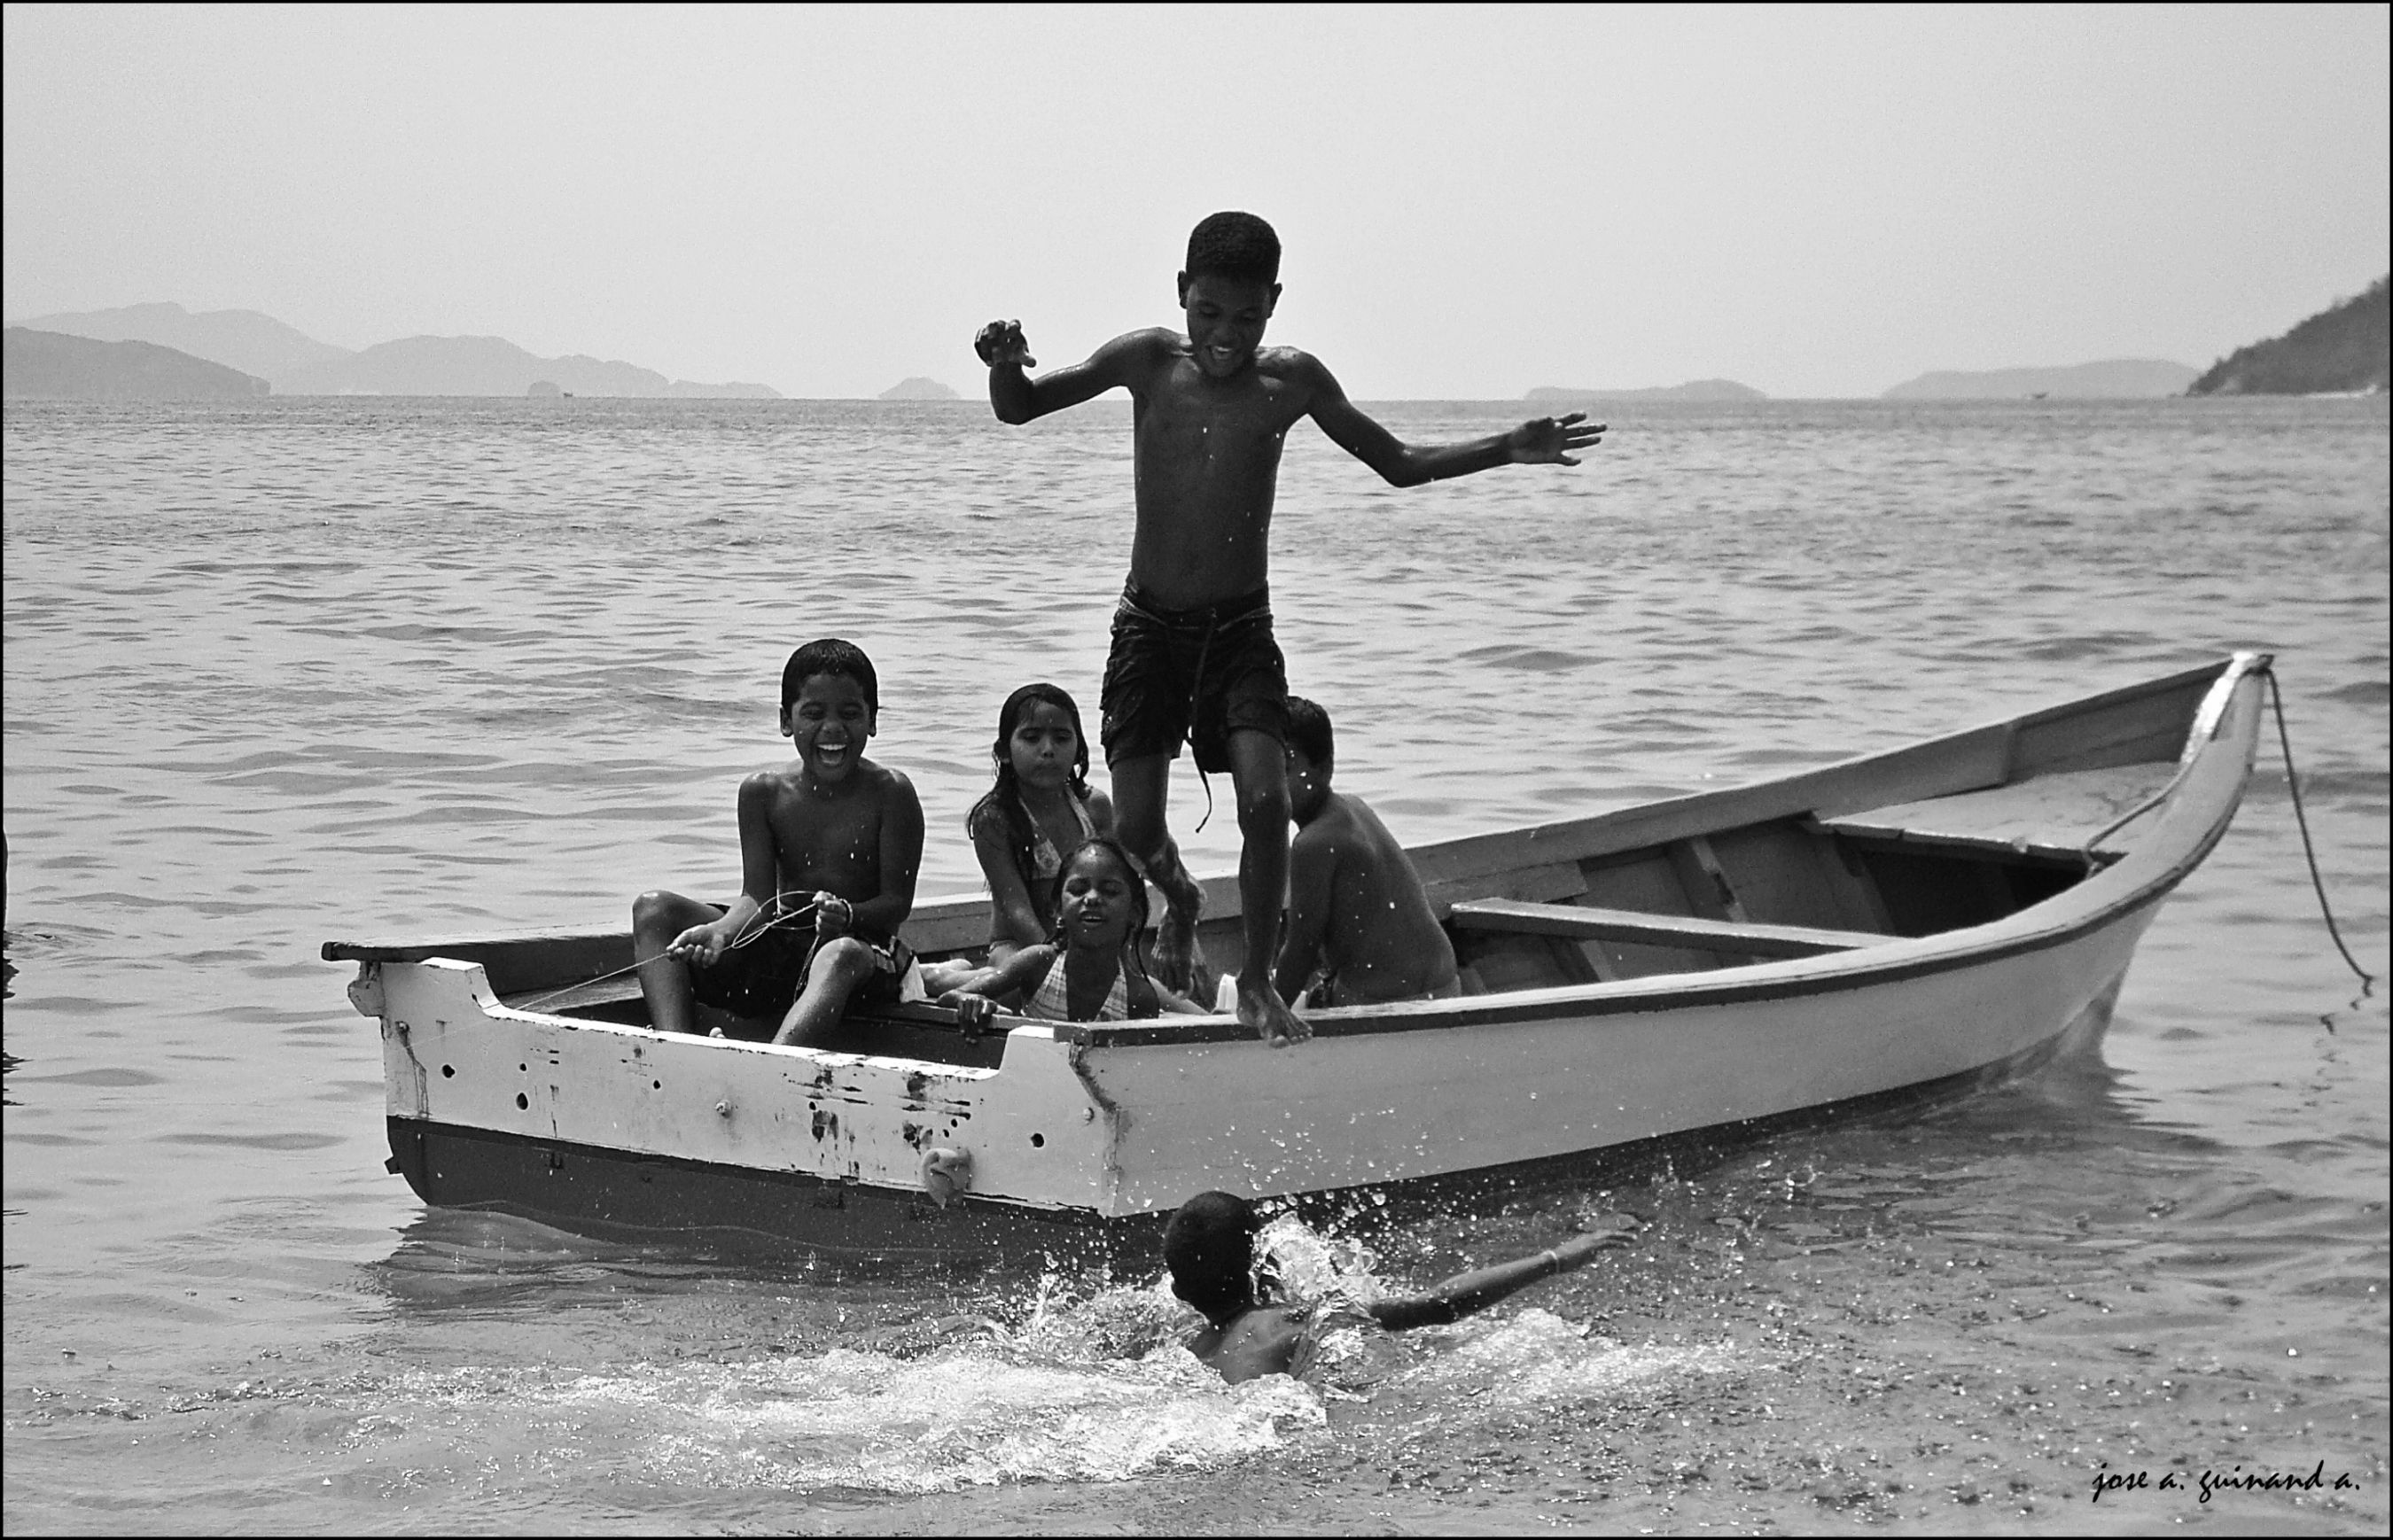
{"x":828,"y":848}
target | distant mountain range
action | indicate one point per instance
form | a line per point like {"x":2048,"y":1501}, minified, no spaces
{"x":1693,"y":390}
{"x":2346,"y":346}
{"x":53,"y":364}
{"x":299,"y":365}
{"x":245,"y":340}
{"x":2110,"y":379}
{"x":919,"y":387}
{"x":485,"y":366}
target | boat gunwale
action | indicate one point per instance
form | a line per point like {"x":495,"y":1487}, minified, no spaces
{"x":2116,"y":889}
{"x":2112,"y":890}
{"x":1559,"y":842}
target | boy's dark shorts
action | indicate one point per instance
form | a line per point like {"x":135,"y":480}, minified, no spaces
{"x":1193,"y":674}
{"x":762,"y":976}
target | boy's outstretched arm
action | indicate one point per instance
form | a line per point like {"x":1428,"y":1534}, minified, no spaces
{"x":1016,"y":397}
{"x":1539,"y":441}
{"x":1467,"y":1292}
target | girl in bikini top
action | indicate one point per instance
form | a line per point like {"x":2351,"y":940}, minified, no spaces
{"x":1040,"y":807}
{"x":1090,"y":972}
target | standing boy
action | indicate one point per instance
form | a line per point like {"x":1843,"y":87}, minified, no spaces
{"x":1355,"y":904}
{"x":828,"y":848}
{"x":1193,"y":656}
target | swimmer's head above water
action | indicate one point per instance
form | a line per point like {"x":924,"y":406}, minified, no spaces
{"x":1209,"y":1246}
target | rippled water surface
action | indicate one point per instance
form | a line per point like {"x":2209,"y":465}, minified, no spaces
{"x":301,"y":669}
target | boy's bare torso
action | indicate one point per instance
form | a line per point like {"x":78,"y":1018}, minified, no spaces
{"x":1208,"y":457}
{"x":1381,"y":941}
{"x":828,"y":838}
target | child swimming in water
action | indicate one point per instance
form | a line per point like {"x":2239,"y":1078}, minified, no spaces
{"x":1089,"y":968}
{"x":1209,"y":1245}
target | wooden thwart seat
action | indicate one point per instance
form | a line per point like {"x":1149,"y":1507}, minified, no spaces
{"x":1583,"y":924}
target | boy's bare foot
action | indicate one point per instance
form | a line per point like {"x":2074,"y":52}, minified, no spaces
{"x":1262,"y":1009}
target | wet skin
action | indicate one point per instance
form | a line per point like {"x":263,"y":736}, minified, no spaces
{"x":1265,"y":1339}
{"x":832,"y":829}
{"x":1356,"y":905}
{"x":1211,"y":409}
{"x":1043,"y":749}
{"x":1097,"y":918}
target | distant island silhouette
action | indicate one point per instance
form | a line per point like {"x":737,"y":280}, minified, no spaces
{"x":299,"y":365}
{"x":245,"y":340}
{"x":920,"y":387}
{"x":37,"y":364}
{"x":2109,"y":379}
{"x":1693,"y":390}
{"x":2345,"y":348}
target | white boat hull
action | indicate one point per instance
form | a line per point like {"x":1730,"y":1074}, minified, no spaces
{"x":600,"y":1122}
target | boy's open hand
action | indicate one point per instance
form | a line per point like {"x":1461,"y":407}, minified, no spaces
{"x":1001,"y":342}
{"x":1549,"y":440}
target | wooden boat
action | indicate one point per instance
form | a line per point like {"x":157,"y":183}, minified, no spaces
{"x":1957,"y":908}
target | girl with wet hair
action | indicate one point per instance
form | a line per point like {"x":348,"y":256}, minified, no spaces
{"x":1040,"y":807}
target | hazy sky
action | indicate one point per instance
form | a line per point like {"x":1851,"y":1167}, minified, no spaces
{"x":1815,"y":201}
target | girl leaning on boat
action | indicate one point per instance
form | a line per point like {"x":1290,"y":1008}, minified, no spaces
{"x":1089,"y":968}
{"x":1040,"y":807}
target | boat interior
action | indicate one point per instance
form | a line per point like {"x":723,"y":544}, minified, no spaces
{"x":1953,"y":833}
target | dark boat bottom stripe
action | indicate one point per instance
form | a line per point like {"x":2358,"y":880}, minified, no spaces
{"x":614,"y":1192}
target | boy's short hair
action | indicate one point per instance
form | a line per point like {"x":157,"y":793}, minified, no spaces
{"x":833,"y":656}
{"x":1234,"y":245}
{"x":1209,"y":1246}
{"x":1308,"y":730}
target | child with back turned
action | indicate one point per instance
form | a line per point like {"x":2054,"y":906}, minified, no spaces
{"x":1355,"y":902}
{"x":828,"y":848}
{"x":1192,"y":657}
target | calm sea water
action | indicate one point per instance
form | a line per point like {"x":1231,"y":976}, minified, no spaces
{"x":294,"y":670}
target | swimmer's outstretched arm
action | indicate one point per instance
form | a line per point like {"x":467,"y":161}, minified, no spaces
{"x":1539,"y":441}
{"x":1016,"y":397}
{"x":1468,"y":1292}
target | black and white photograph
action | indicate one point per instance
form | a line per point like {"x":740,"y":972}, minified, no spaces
{"x":1196,"y":769}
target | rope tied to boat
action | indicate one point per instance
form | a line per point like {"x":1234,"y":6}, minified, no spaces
{"x":2293,"y":786}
